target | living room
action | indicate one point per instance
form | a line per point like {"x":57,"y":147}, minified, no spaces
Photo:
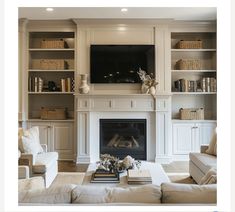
{"x":101,"y":82}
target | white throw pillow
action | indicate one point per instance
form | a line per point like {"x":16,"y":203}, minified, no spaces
{"x":31,"y":142}
{"x":20,"y":144}
{"x":209,"y":178}
{"x":212,"y":149}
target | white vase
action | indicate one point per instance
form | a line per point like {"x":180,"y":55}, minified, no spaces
{"x":84,"y":87}
{"x":152,"y":90}
{"x":144,"y":89}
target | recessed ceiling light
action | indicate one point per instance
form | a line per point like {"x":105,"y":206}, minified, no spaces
{"x":124,"y":10}
{"x":49,"y":9}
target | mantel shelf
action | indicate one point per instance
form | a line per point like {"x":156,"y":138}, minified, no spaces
{"x":120,"y":95}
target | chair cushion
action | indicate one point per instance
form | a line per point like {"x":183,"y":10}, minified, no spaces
{"x":188,"y":193}
{"x":203,"y":161}
{"x":43,"y":161}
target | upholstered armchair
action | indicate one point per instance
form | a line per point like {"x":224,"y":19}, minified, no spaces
{"x":35,"y":156}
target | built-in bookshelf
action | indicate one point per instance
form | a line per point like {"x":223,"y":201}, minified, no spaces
{"x":193,"y":72}
{"x":51,"y":71}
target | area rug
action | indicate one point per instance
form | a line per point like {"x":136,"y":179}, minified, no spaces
{"x":64,"y":178}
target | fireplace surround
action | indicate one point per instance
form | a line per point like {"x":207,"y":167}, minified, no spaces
{"x":122,"y":137}
{"x":91,"y":108}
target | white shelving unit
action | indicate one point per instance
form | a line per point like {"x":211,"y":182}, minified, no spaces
{"x":59,"y":135}
{"x":188,"y":135}
{"x":207,"y":57}
{"x":46,"y":97}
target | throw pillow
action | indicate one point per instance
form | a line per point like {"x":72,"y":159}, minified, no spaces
{"x":209,"y":178}
{"x":20,"y":144}
{"x":212,"y":149}
{"x":31,"y":142}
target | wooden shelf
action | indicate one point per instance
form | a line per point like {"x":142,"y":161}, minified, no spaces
{"x":48,"y":120}
{"x":43,"y":70}
{"x":43,"y":50}
{"x":189,"y":121}
{"x":193,"y":71}
{"x":50,"y":93}
{"x":193,"y":50}
{"x":193,"y":93}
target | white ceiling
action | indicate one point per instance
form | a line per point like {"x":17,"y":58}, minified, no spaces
{"x":177,"y":13}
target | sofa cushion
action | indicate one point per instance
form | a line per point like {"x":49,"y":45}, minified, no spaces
{"x":54,"y":195}
{"x":209,"y":178}
{"x":188,"y":193}
{"x":90,"y":195}
{"x":44,"y":161}
{"x":97,"y":195}
{"x":212,"y":148}
{"x":140,"y":194}
{"x":203,"y":161}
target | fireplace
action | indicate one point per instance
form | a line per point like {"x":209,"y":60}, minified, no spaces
{"x":122,"y":137}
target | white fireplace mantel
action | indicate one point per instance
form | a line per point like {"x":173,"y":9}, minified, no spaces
{"x":90,"y":108}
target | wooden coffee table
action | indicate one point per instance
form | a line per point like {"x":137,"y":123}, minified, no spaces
{"x":157,"y":173}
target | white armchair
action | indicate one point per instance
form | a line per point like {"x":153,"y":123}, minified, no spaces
{"x":39,"y":163}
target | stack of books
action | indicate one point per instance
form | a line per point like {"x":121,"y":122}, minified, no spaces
{"x":105,"y":177}
{"x":136,"y":176}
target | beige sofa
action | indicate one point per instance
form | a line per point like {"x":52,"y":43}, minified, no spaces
{"x":167,"y":193}
{"x":201,"y":163}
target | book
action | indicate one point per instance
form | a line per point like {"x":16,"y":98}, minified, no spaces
{"x":138,"y":176}
{"x":68,"y":84}
{"x":35,"y":84}
{"x":63,"y":85}
{"x":105,"y":179}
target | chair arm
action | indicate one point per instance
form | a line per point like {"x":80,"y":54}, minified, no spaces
{"x":203,"y":148}
{"x":23,"y":172}
{"x":44,"y":146}
{"x":26,"y":159}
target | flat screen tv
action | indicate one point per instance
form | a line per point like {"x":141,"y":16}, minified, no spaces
{"x":120,"y":63}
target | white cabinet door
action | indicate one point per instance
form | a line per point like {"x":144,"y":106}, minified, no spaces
{"x":205,"y":132}
{"x":183,"y":138}
{"x":63,"y":140}
{"x":188,"y":137}
{"x":44,"y":133}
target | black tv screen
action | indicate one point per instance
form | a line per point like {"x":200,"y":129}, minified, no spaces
{"x":120,"y":63}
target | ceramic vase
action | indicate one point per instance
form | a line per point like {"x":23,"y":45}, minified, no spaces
{"x":152,"y":90}
{"x":84,"y":87}
{"x":144,"y":88}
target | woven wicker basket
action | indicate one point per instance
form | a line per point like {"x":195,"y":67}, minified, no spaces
{"x":53,"y":113}
{"x":191,"y":113}
{"x":188,"y":64}
{"x":52,"y":44}
{"x":55,"y":64}
{"x":189,"y":44}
